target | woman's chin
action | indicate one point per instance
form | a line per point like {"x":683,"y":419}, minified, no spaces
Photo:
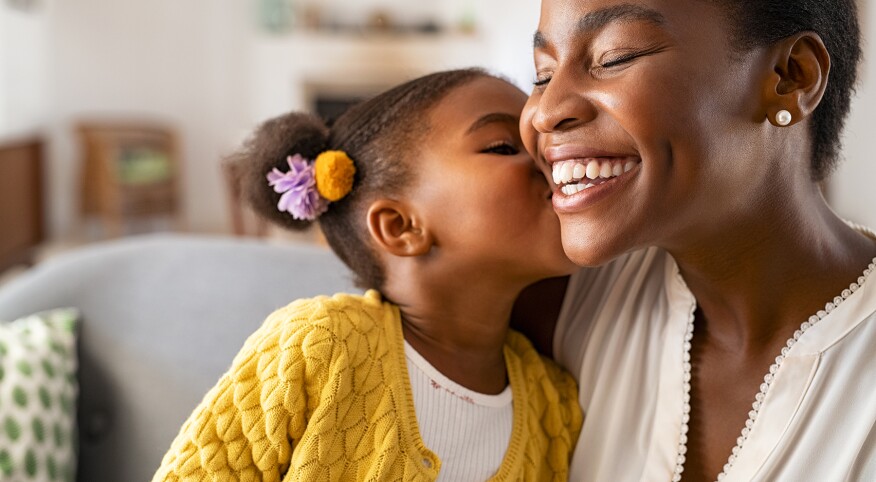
{"x":590,"y":251}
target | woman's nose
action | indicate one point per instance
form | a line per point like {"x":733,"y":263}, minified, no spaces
{"x":562,"y":104}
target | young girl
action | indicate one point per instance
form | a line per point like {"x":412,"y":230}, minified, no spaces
{"x":426,"y":193}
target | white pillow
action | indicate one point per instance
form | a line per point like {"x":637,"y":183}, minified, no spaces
{"x":38,"y":390}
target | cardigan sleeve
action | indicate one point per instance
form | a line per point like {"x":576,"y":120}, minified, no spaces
{"x":246,"y":426}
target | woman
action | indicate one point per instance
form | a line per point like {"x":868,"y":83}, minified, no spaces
{"x":730,"y":334}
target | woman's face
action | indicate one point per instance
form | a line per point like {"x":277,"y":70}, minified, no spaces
{"x":650,"y":99}
{"x":479,"y":190}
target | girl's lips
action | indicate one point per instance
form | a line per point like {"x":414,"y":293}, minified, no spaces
{"x":566,"y":204}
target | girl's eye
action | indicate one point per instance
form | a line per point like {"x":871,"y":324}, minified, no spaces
{"x":502,"y":149}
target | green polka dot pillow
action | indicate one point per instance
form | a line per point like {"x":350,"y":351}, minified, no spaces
{"x":37,"y":397}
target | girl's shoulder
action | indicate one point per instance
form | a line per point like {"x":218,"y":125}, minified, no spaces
{"x":331,"y":306}
{"x":550,"y":392}
{"x":541,"y":373}
{"x":330,"y":316}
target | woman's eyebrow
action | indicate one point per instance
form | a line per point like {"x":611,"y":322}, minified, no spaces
{"x":491,"y":118}
{"x":598,"y":19}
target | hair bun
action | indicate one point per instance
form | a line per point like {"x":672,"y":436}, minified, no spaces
{"x":273,"y":142}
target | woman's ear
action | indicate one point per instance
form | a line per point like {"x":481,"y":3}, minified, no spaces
{"x":397,"y":229}
{"x":801,"y":65}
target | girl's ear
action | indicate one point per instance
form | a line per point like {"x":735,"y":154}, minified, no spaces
{"x":396,"y":229}
{"x":800,"y":68}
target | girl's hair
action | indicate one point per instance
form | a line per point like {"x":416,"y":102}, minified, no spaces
{"x":380,"y":136}
{"x":762,"y":22}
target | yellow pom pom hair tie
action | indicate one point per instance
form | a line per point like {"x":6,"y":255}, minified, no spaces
{"x":307,"y":188}
{"x":334,"y":171}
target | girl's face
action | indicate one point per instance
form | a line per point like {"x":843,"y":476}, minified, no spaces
{"x":650,"y":99}
{"x":481,"y":194}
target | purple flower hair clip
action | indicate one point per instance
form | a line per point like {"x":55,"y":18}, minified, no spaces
{"x":300,"y":198}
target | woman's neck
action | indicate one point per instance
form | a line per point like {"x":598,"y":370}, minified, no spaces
{"x":757,"y":282}
{"x":459,"y":328}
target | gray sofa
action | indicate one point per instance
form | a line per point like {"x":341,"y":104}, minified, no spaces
{"x":162,"y":318}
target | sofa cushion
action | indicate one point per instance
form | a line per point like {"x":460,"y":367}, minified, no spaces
{"x":37,"y":397}
{"x":163,"y":316}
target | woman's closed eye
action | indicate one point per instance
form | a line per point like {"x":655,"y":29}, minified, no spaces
{"x":502,"y":148}
{"x":620,"y":59}
{"x":541,"y":81}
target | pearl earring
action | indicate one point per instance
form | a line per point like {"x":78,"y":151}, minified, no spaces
{"x":783,"y":118}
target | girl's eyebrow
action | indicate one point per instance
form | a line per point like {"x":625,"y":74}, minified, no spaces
{"x":598,"y":19}
{"x":492,"y":118}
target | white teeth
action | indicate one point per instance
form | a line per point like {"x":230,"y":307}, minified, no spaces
{"x":572,"y":189}
{"x":593,"y":169}
{"x":566,"y":172}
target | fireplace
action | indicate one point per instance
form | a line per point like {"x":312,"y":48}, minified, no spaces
{"x":325,"y":73}
{"x":329,"y":101}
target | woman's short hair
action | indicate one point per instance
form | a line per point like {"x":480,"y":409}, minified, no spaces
{"x":763,"y":22}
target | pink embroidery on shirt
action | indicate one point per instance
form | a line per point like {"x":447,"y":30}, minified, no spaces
{"x":464,"y":398}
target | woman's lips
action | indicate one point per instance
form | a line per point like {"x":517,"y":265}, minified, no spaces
{"x":554,"y":154}
{"x":577,"y":195}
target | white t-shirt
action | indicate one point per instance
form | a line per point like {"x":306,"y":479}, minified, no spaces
{"x":621,"y":333}
{"x":467,"y":430}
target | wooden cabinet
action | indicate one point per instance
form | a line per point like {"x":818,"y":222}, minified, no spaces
{"x":21,"y":200}
{"x":130,"y":171}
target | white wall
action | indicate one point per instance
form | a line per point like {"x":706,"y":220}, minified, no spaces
{"x":510,"y":37}
{"x":853,"y":187}
{"x":189,"y":63}
{"x":23,"y":64}
{"x":165,"y":60}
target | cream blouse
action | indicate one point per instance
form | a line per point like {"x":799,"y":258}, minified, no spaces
{"x":621,"y":333}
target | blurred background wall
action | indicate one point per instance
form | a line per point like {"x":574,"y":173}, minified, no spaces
{"x":196,"y":65}
{"x":213,"y":68}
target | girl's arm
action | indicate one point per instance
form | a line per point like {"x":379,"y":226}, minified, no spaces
{"x":537,"y":310}
{"x":245,"y":427}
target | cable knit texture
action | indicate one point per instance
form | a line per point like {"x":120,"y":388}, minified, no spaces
{"x":321,"y":392}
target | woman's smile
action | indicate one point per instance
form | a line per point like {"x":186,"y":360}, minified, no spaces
{"x":584,"y":182}
{"x":574,"y":176}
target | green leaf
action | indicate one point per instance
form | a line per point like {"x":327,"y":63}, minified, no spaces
{"x":39,"y":430}
{"x":30,"y":463}
{"x":5,"y":463}
{"x":24,"y":367}
{"x":20,"y":396}
{"x":13,"y":429}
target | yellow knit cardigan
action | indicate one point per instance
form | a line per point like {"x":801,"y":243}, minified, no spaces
{"x":321,"y":392}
